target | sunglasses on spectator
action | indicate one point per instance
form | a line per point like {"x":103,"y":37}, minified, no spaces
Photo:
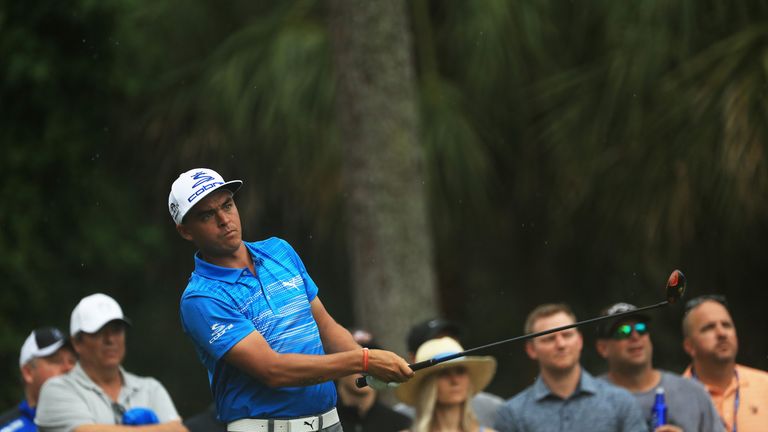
{"x":624,"y":331}
{"x":118,"y":411}
{"x":692,"y":303}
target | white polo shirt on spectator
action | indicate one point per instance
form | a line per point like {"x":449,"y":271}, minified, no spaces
{"x":71,"y":400}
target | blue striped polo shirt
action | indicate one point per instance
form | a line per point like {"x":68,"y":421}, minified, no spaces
{"x":221,"y":306}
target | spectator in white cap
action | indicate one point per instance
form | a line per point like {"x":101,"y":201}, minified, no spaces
{"x":45,"y":353}
{"x":441,"y":393}
{"x":98,"y":394}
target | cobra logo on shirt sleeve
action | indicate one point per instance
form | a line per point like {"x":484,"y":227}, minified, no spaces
{"x":218,"y":330}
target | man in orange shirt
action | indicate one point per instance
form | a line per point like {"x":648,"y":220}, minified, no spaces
{"x":739,"y":393}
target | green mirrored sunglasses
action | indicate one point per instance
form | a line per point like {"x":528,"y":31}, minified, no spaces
{"x":625,"y":330}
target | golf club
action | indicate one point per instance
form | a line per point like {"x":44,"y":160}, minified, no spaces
{"x":674,"y":290}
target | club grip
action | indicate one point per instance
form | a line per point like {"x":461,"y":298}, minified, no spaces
{"x":423,"y":364}
{"x":360,"y":382}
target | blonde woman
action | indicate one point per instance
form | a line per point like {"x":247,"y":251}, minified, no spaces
{"x":441,"y":393}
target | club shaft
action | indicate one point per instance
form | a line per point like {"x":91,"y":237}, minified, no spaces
{"x":433,"y":361}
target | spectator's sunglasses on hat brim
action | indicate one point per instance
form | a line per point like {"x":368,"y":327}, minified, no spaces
{"x":624,"y":331}
{"x":694,"y":302}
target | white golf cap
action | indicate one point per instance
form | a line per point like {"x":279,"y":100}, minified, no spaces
{"x":194,"y":185}
{"x":41,"y":342}
{"x":93,"y":312}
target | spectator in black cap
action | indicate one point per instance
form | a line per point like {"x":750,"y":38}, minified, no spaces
{"x":44,"y":354}
{"x":430,"y":329}
{"x":359,"y":408}
{"x":626,"y":344}
{"x":484,"y":404}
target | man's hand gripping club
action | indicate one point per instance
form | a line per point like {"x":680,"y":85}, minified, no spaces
{"x":384,"y":369}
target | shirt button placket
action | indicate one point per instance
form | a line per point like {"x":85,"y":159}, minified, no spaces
{"x":565,"y":417}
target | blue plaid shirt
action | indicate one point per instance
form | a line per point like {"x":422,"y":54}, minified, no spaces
{"x":221,"y":306}
{"x":594,"y":406}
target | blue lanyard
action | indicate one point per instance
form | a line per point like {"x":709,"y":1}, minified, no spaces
{"x":736,"y":399}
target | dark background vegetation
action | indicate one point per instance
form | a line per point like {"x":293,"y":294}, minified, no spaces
{"x":574,"y":151}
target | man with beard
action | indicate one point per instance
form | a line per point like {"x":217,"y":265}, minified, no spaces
{"x":565,"y":397}
{"x":739,"y":393}
{"x":626,"y":344}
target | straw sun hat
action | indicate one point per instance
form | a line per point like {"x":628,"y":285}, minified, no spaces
{"x":480,"y":368}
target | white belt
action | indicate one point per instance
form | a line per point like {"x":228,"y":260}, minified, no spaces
{"x":304,"y":424}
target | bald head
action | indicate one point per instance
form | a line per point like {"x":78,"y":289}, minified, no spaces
{"x":716,"y":303}
{"x":709,"y":333}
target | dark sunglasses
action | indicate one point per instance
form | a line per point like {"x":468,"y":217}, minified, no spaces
{"x":118,"y":411}
{"x":692,"y":303}
{"x":624,"y":331}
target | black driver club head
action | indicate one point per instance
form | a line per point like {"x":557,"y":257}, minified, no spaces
{"x":675,"y":286}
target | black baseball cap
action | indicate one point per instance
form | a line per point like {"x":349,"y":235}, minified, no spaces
{"x":431,"y":329}
{"x":606,"y":328}
{"x":42,"y":342}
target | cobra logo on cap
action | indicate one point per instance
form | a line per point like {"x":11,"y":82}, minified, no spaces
{"x":205,"y":180}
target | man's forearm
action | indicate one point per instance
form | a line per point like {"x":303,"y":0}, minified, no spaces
{"x":289,"y":370}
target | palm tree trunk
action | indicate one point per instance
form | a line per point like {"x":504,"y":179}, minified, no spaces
{"x":384,"y":181}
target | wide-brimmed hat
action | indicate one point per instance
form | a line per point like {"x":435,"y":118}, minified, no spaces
{"x":480,"y":368}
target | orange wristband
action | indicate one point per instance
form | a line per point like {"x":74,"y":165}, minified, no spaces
{"x":365,"y":359}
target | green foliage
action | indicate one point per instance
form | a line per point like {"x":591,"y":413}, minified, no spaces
{"x":61,"y":227}
{"x":576,"y":151}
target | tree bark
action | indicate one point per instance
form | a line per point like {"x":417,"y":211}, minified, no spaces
{"x":377,"y":114}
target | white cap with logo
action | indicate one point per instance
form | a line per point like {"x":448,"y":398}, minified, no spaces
{"x":194,"y":185}
{"x":93,"y":312}
{"x":41,"y":342}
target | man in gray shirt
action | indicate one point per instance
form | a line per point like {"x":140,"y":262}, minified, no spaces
{"x":98,"y":394}
{"x":626,"y":344}
{"x":565,"y":397}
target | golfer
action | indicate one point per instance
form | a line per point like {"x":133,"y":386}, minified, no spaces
{"x":253,"y":313}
